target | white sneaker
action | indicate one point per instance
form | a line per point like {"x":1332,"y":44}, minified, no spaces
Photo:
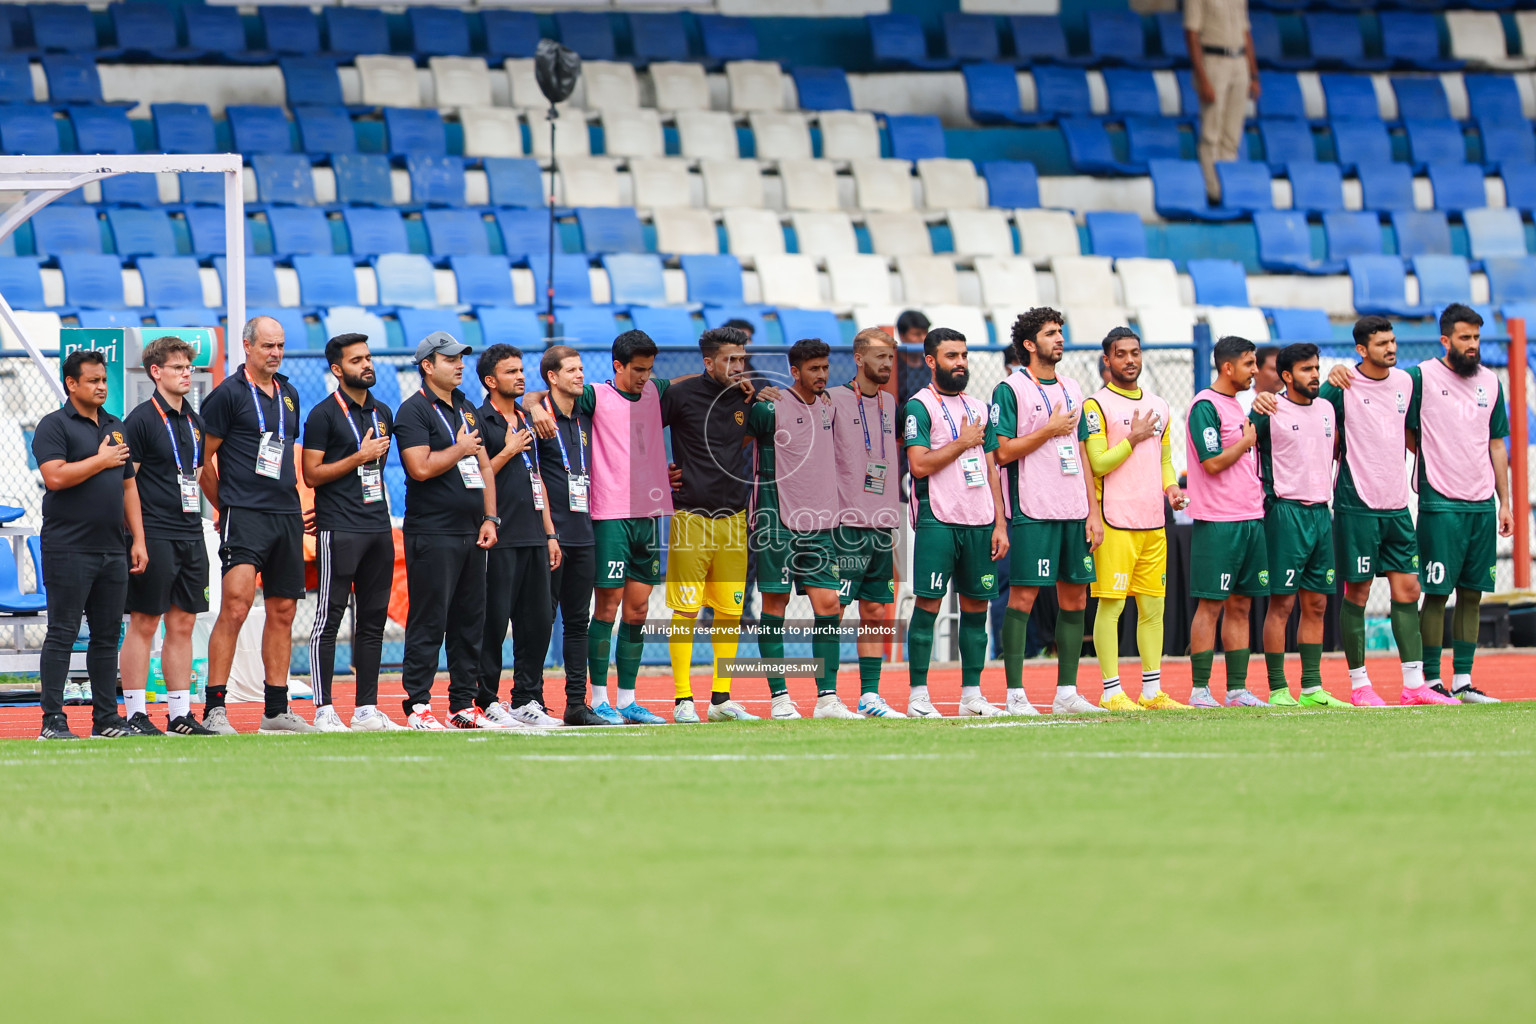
{"x":1074,"y":704}
{"x":922,"y":707}
{"x":533,"y":714}
{"x":367,"y":718}
{"x":1470,"y":694}
{"x":327,"y":720}
{"x":1018,"y":704}
{"x":503,"y":718}
{"x":421,"y":717}
{"x":978,"y":707}
{"x":784,"y":708}
{"x":829,"y":706}
{"x":872,"y":705}
{"x":730,"y":711}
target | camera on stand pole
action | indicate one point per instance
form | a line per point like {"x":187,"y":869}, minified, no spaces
{"x":557,"y":70}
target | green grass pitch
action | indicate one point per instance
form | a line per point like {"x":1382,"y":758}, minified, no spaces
{"x":1250,"y":866}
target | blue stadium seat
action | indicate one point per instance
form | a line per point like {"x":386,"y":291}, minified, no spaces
{"x":457,"y":232}
{"x":716,"y":316}
{"x":970,"y":37}
{"x":1116,"y":233}
{"x":71,"y":78}
{"x":1352,"y":233}
{"x":1386,"y":186}
{"x":362,"y":178}
{"x":897,"y":41}
{"x":1411,"y":39}
{"x":1178,"y":192}
{"x":186,"y":316}
{"x":1245,"y":185}
{"x":326,"y":280}
{"x":1218,"y":282}
{"x":1493,"y":233}
{"x":1350,"y":97}
{"x":170,"y":281}
{"x":610,"y":229}
{"x":727,"y":38}
{"x":1280,"y":95}
{"x":1170,"y":36}
{"x":295,"y":329}
{"x":1506,"y":142}
{"x":1151,"y":138}
{"x":1301,"y":325}
{"x":16,"y":79}
{"x":664,"y":323}
{"x":635,"y":279}
{"x":1119,"y":37}
{"x":283,"y":178}
{"x":1011,"y":184}
{"x":662,"y":36}
{"x":218,"y":31}
{"x":92,"y":280}
{"x":573,"y":284}
{"x":440,"y":31}
{"x":66,"y":28}
{"x":714,"y":280}
{"x":257,"y":129}
{"x":1090,"y":150}
{"x":415,"y":131}
{"x":418,"y":323}
{"x":325,"y":130}
{"x":1132,"y":91}
{"x":1380,"y":286}
{"x":436,"y":179}
{"x":260,"y":279}
{"x":102,"y":130}
{"x":1336,"y":41}
{"x":1434,"y":142}
{"x":146,"y":28}
{"x":1442,"y":280}
{"x":587,"y":325}
{"x":311,"y":81}
{"x":105,"y":318}
{"x":524,"y":231}
{"x":206,"y":227}
{"x":201,"y":187}
{"x":1428,"y":233}
{"x":915,"y":136}
{"x":1361,"y":143}
{"x":290,"y":29}
{"x":138,"y":232}
{"x":1285,"y":244}
{"x":356,"y":30}
{"x":1494,"y":98}
{"x":130,"y":190}
{"x":1421,"y":98}
{"x":1286,"y":141}
{"x":1457,"y":186}
{"x":514,"y":181}
{"x":992,"y":94}
{"x":21,"y":282}
{"x":184,"y":128}
{"x":520,"y":327}
{"x":483,"y":280}
{"x":374,"y":230}
{"x":795,"y":324}
{"x":1061,"y":91}
{"x":1519,"y":185}
{"x":302,"y":229}
{"x":1268,"y":44}
{"x":28,"y":131}
{"x":510,"y":33}
{"x":589,"y":33}
{"x":1510,"y":280}
{"x":825,"y":88}
{"x":1039,"y":38}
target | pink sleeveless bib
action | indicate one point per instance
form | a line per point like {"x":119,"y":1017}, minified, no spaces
{"x":1133,"y":491}
{"x":804,"y":464}
{"x":1453,"y":430}
{"x":865,"y":502}
{"x":1301,"y":439}
{"x":629,"y":457}
{"x":1045,"y":492}
{"x":1375,"y":415}
{"x":1235,"y":494}
{"x":951,"y":500}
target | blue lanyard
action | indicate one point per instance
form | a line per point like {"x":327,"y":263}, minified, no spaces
{"x":581,"y":445}
{"x":954,"y":432}
{"x":439,"y":410}
{"x":261,"y":417}
{"x":176,"y":448}
{"x":533,"y":446}
{"x":1065,"y":395}
{"x":346,"y":414}
{"x":864,"y":421}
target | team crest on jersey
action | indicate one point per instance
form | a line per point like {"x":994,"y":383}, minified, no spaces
{"x":288,"y":401}
{"x":1088,"y":563}
{"x":1263,"y":577}
{"x":987,"y":580}
{"x":911,"y":430}
{"x":469,"y":417}
{"x":1329,"y":577}
{"x":741,"y":417}
{"x":117,"y":437}
{"x":1402,"y":403}
{"x":1415,"y":563}
{"x":1492,"y":573}
{"x":1094,"y":424}
{"x":890,"y":586}
{"x":736,"y":595}
{"x":1482,"y":397}
{"x":1212,"y":438}
{"x":997,"y":412}
{"x":656,"y":566}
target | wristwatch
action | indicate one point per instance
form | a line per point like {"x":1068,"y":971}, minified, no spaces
{"x":551,"y":536}
{"x":493,"y":520}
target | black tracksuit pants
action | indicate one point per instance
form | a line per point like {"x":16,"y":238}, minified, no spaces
{"x":347,"y":564}
{"x":516,"y":591}
{"x":96,"y":584}
{"x":445,"y":579}
{"x":571,"y":589}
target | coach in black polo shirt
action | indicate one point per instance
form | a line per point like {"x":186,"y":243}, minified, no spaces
{"x":450,"y":523}
{"x":85,"y":466}
{"x":346,"y":438}
{"x":166,"y":440}
{"x":252,"y":420}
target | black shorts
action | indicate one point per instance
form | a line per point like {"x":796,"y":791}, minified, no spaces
{"x":177,"y":575}
{"x":271,"y":541}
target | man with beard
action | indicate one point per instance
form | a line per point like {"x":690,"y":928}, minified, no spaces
{"x":346,"y":438}
{"x":1457,"y":412}
{"x":959,"y":524}
{"x":1132,"y":478}
{"x":864,"y":436}
{"x":1370,"y":507}
{"x":1296,"y":447}
{"x":1055,"y":524}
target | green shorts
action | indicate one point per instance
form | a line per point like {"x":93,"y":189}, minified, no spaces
{"x":1227,"y":559}
{"x":1300,"y":548}
{"x":865,"y":564}
{"x":1456,"y":549}
{"x":1047,"y":551}
{"x":1371,"y":545}
{"x":627,"y":549}
{"x":790,"y":559}
{"x":941,"y":553}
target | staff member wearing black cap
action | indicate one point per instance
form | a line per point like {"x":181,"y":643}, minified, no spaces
{"x":565,"y":466}
{"x":346,"y":438}
{"x":253,"y":420}
{"x":450,"y":523}
{"x":166,"y":440}
{"x":80,"y":452}
{"x":526,"y":551}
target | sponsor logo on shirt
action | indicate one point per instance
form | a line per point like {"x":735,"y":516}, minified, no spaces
{"x":1212,"y":438}
{"x":1482,"y":397}
{"x":1094,"y":424}
{"x":997,"y":411}
{"x":911,"y":430}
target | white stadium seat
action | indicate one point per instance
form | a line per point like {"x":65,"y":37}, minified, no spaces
{"x":1242,"y":321}
{"x":460,"y":82}
{"x":780,"y":135}
{"x":809,"y":184}
{"x":351,"y":320}
{"x":928,"y":281}
{"x":981,"y":232}
{"x":589,"y":181}
{"x":631,"y":133}
{"x":662,"y":181}
{"x":969,"y":321}
{"x":1084,"y":280}
{"x":1147,"y":282}
{"x":679,"y":86}
{"x":730,"y":183}
{"x":1087,"y":325}
{"x":1045,"y":234}
{"x":1166,"y":324}
{"x":859,"y":281}
{"x":707,"y":135}
{"x":949,"y":184}
{"x":755,"y":84}
{"x":883,"y":185}
{"x":491,"y":131}
{"x":898,"y":234}
{"x":571,"y":136}
{"x":685,"y":230}
{"x":823,"y":234}
{"x":1007,"y":282}
{"x":754,"y":232}
{"x":523,"y":86}
{"x":849,"y":135}
{"x":789,"y":280}
{"x":1477,"y":37}
{"x":610,"y":85}
{"x":388,"y":81}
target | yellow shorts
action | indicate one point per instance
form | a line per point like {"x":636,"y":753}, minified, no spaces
{"x":707,"y":563}
{"x":1131,"y":562}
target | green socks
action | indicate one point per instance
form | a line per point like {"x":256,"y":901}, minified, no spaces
{"x":1274,"y":668}
{"x":1237,"y":669}
{"x":1352,"y":630}
{"x":1015,"y":630}
{"x":973,"y":647}
{"x":1200,"y":668}
{"x":869,"y":674}
{"x":1311,"y":666}
{"x":1432,"y":632}
{"x":1464,"y":626}
{"x":600,"y":646}
{"x":1069,"y":645}
{"x":1405,"y":631}
{"x":1462,"y":653}
{"x":627,"y":658}
{"x":920,"y":644}
{"x":828,"y":647}
{"x":770,"y":644}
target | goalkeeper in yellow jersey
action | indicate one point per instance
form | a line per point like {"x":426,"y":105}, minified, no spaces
{"x":1129,"y":452}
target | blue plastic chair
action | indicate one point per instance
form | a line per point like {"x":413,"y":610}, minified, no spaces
{"x":284,"y":178}
{"x":1151,"y":138}
{"x":170,"y":281}
{"x":439,"y":31}
{"x":1090,"y":150}
{"x":510,"y":33}
{"x":521,"y":327}
{"x":311,"y":81}
{"x":825,"y":88}
{"x":412,"y":130}
{"x":456,"y":232}
{"x":259,"y":129}
{"x":610,"y":229}
{"x":1457,"y":186}
{"x":205,"y":225}
{"x":66,"y":28}
{"x":897,"y":41}
{"x":1244,"y":186}
{"x":1061,"y":91}
{"x":1170,"y":36}
{"x":1268,"y":45}
{"x":587,"y":325}
{"x":200,"y":187}
{"x":185,"y":316}
{"x":418,"y":323}
{"x":635,"y":278}
{"x":362,"y":178}
{"x":716,"y":316}
{"x":1511,"y":279}
{"x":1428,"y":233}
{"x":148,"y":28}
{"x":1285,"y":244}
{"x":1286,"y":141}
{"x":1420,"y":98}
{"x":1218,"y":282}
{"x":514,"y":181}
{"x":1494,"y":98}
{"x":184,"y":127}
{"x":822,"y":324}
{"x":137,"y":232}
{"x":28,"y":131}
{"x":326,"y":280}
{"x":1352,"y":233}
{"x":573,"y":285}
{"x":483,"y":280}
{"x":1132,"y":91}
{"x":1386,"y":186}
{"x":21,"y":282}
{"x":664,"y":323}
{"x":1011,"y":184}
{"x":59,"y":229}
{"x":12,"y":600}
{"x":915,"y":136}
{"x":130,"y":190}
{"x":1506,"y":142}
{"x":374,"y":230}
{"x":71,"y":78}
{"x":1336,"y":41}
{"x":325,"y":130}
{"x":92,"y":280}
{"x":660,"y":36}
{"x":356,"y":30}
{"x":1300,"y":325}
{"x":1280,"y":96}
{"x":295,"y":327}
{"x":970,"y":36}
{"x":436,"y":179}
{"x":1380,"y":286}
{"x":992,"y":94}
{"x":1119,"y":37}
{"x":1434,"y":141}
{"x":1411,"y":39}
{"x":1519,"y":185}
{"x":290,"y":29}
{"x":260,"y":279}
{"x":1116,"y":233}
{"x":589,"y":33}
{"x":1361,"y":144}
{"x":1350,"y":97}
{"x":1494,"y":232}
{"x":1178,"y":192}
{"x":1039,"y":38}
{"x":714,"y":280}
{"x":1443,"y":280}
{"x":524,"y":232}
{"x":727,"y":38}
{"x":219,"y":31}
{"x":300,"y":229}
{"x":15,"y":78}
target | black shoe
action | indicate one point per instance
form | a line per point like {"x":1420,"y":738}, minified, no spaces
{"x":582,"y":714}
{"x":56,"y":727}
{"x":113,"y":728}
{"x":1441,"y":690}
{"x":186,"y":725}
{"x":142,"y":726}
